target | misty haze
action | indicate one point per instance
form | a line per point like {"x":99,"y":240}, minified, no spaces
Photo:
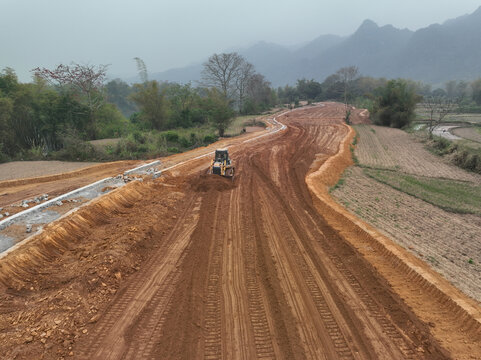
{"x":240,"y":180}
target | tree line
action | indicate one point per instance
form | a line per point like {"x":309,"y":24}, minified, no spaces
{"x":64,"y":107}
{"x":391,"y":102}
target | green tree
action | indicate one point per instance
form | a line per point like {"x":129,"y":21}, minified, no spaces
{"x":288,"y":94}
{"x":260,"y":96}
{"x":7,"y":143}
{"x":332,"y":88}
{"x":395,"y":104}
{"x":150,"y":99}
{"x":309,"y":89}
{"x":8,"y":81}
{"x":218,"y":109}
{"x":86,"y":81}
{"x":118,"y":93}
{"x":183,"y":105}
{"x":476,"y":88}
{"x":110,"y":122}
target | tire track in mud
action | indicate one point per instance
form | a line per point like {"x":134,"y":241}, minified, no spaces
{"x":284,"y":331}
{"x":377,"y":322}
{"x":213,"y":313}
{"x":258,"y":319}
{"x":337,"y":346}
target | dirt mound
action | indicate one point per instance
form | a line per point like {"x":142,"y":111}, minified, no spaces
{"x":209,"y":182}
{"x":90,"y":253}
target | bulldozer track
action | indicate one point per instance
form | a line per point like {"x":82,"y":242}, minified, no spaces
{"x":212,"y":322}
{"x":256,"y":307}
{"x":331,"y":327}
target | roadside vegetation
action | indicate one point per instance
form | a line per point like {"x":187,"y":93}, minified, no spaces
{"x":460,"y":153}
{"x":58,"y":114}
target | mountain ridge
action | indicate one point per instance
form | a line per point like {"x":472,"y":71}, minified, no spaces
{"x":434,"y":54}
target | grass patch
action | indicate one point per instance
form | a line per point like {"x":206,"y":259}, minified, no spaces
{"x":450,"y":195}
{"x":352,"y":147}
{"x":339,"y":183}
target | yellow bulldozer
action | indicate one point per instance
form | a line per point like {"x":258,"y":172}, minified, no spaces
{"x":222,"y":165}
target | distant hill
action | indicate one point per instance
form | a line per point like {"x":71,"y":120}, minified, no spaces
{"x":436,"y":54}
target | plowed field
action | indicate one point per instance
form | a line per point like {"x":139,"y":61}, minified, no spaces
{"x":200,"y":267}
{"x":388,"y":148}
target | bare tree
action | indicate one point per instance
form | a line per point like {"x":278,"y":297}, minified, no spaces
{"x":244,"y":76}
{"x":86,"y":80}
{"x":439,"y":108}
{"x":347,"y":75}
{"x":222,"y":71}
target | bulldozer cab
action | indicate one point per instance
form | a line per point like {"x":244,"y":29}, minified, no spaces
{"x":222,"y":165}
{"x":221,"y":155}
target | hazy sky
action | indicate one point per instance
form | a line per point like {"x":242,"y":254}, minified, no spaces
{"x":167,"y":34}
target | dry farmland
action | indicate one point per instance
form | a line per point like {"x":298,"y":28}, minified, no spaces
{"x":449,"y":241}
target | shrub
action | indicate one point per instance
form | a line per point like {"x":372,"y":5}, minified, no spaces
{"x":395,"y":105}
{"x":171,"y":136}
{"x":209,"y":139}
{"x":75,"y":149}
{"x":184,"y":142}
{"x":138,"y":137}
{"x":441,"y":144}
{"x":472,"y":162}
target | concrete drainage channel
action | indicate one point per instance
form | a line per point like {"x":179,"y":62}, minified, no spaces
{"x":17,"y":227}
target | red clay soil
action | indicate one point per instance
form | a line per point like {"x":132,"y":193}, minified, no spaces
{"x":196,"y":266}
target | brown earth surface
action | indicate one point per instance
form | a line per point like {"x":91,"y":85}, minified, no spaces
{"x":28,"y":169}
{"x":470,"y":133}
{"x":196,"y":266}
{"x":13,"y":191}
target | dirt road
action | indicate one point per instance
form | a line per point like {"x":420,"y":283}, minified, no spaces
{"x":251,"y":270}
{"x":15,"y":190}
{"x":248,"y":269}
